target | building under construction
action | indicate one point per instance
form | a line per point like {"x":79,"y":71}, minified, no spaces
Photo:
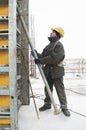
{"x":14,"y":62}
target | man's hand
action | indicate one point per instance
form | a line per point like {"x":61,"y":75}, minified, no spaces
{"x":37,"y":61}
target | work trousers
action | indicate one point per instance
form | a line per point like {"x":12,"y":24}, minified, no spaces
{"x":59,"y":86}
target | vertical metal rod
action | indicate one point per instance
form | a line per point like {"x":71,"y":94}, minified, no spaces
{"x":30,"y":85}
{"x":56,"y":111}
{"x":34,"y":100}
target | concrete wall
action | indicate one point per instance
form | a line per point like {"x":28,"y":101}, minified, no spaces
{"x":25,"y":55}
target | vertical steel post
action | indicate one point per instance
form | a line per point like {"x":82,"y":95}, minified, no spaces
{"x":13,"y":64}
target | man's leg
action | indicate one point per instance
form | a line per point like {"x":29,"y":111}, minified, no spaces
{"x":47,"y":101}
{"x":61,"y":95}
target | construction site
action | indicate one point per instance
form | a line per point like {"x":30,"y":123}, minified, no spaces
{"x":18,"y":72}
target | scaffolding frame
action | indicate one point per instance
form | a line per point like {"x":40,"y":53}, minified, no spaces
{"x":11,"y":68}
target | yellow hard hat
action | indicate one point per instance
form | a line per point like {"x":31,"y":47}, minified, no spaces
{"x":59,"y":30}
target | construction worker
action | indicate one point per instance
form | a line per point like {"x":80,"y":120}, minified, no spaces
{"x":52,"y":60}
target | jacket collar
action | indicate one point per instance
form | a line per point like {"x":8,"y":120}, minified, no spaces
{"x":54,"y":39}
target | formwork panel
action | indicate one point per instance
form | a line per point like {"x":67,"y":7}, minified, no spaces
{"x":4,"y":80}
{"x":3,"y":26}
{"x":3,"y":57}
{"x":4,"y":101}
{"x":4,"y":121}
{"x":8,"y":60}
{"x":4,"y":42}
{"x":4,"y":10}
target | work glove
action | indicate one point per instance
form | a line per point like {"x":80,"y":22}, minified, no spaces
{"x":32,"y":53}
{"x":37,"y":61}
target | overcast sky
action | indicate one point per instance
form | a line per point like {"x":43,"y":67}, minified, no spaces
{"x":70,"y":15}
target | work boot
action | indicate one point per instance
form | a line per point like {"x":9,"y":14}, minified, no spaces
{"x":66,"y":112}
{"x":45,"y":107}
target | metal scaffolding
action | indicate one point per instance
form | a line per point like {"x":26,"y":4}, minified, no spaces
{"x":14,"y":87}
{"x":32,"y":65}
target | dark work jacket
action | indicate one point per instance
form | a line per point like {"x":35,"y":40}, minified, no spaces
{"x":51,"y":58}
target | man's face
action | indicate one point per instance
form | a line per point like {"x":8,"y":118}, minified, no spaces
{"x":52,"y":34}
